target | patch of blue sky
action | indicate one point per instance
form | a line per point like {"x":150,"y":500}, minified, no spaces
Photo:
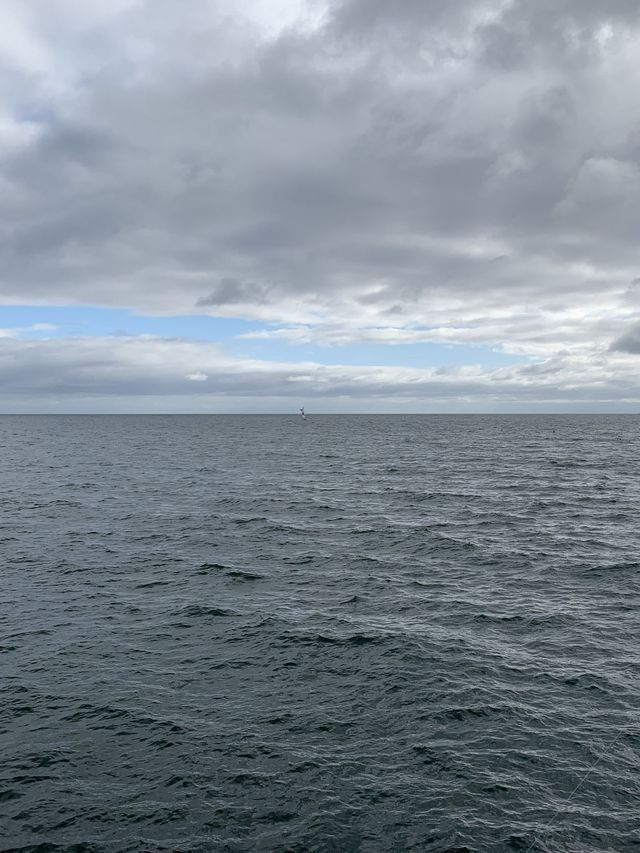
{"x":421,"y":354}
{"x":84,"y":321}
{"x":72,"y":321}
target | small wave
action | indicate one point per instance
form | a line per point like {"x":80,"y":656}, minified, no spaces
{"x":300,"y":560}
{"x":319,"y":639}
{"x":205,"y":568}
{"x":606,"y":568}
{"x":197,"y":611}
{"x":471,"y":712}
{"x":7,"y":794}
{"x":240,"y":575}
{"x":531,"y":619}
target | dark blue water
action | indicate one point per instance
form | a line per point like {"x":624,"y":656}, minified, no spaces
{"x":360,"y":633}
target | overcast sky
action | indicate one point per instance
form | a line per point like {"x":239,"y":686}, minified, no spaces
{"x":352,"y":205}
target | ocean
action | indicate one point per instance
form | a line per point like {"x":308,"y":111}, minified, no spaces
{"x":355,"y":634}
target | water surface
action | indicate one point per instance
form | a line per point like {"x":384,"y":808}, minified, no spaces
{"x":354,"y":633}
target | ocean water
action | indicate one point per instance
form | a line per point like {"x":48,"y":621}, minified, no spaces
{"x":354,"y":633}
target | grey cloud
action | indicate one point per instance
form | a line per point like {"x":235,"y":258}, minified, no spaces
{"x":505,"y":36}
{"x":408,"y":18}
{"x":230,"y":291}
{"x":503,"y":48}
{"x":564,"y":32}
{"x":629,"y":341}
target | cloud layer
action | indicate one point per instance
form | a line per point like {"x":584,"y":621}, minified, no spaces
{"x":75,"y":374}
{"x":351,"y":171}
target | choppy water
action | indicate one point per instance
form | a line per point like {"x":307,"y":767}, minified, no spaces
{"x":350,"y":634}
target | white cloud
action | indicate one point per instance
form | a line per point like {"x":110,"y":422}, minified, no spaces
{"x":26,"y":331}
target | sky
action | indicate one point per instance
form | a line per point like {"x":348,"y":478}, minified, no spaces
{"x":347,"y":205}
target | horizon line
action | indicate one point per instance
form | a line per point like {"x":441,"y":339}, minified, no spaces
{"x":316,"y":414}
